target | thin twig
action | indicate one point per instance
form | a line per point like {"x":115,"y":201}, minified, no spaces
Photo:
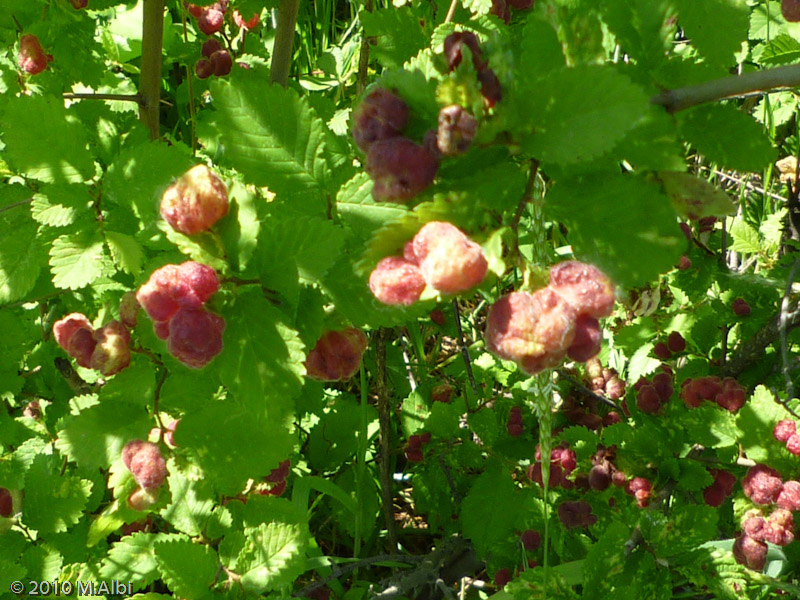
{"x":464,"y":349}
{"x":451,"y":11}
{"x":15,"y":204}
{"x":584,"y":390}
{"x":363,"y":57}
{"x":138,"y":98}
{"x":526,"y":195}
{"x":385,"y":424}
{"x":728,"y":87}
{"x":150,"y":79}
{"x":784,"y":319}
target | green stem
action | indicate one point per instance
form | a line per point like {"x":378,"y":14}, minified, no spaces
{"x":284,"y":39}
{"x":150,"y":80}
{"x":363,"y":57}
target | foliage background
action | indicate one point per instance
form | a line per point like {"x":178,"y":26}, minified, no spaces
{"x":584,"y":156}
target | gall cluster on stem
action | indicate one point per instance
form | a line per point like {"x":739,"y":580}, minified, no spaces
{"x":439,"y":255}
{"x":538,"y":330}
{"x":106,"y":349}
{"x":174,"y":298}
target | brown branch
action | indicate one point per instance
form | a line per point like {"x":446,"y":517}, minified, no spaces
{"x":385,"y":424}
{"x":363,"y":56}
{"x":284,"y":40}
{"x":752,"y":350}
{"x":728,"y":87}
{"x":150,"y":80}
{"x":138,"y":98}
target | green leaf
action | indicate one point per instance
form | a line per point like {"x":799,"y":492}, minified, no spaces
{"x":273,"y":556}
{"x":128,"y":255}
{"x":695,"y":198}
{"x":489,"y":523}
{"x":478,"y":7}
{"x":140,"y":174}
{"x":53,"y":501}
{"x":359,"y":211}
{"x":20,"y":251}
{"x":642,"y":27}
{"x":717,"y":28}
{"x":263,"y":358}
{"x":188,"y":569}
{"x":192,"y":503}
{"x":685,"y":528}
{"x":597,"y":209}
{"x":240,"y":229}
{"x":726,"y":135}
{"x":398,"y":32}
{"x":60,"y":205}
{"x":133,"y":559}
{"x":605,"y":561}
{"x":755,"y":422}
{"x":94,"y":438}
{"x":271,"y":135}
{"x":214,"y":434}
{"x":77,"y":259}
{"x":745,"y":238}
{"x":782,"y":49}
{"x":559,"y":107}
{"x":44,"y":140}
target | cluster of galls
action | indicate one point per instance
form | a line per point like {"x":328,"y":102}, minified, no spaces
{"x":722,"y":487}
{"x":786,"y":432}
{"x":399,"y":167}
{"x":106,"y":349}
{"x":440,"y":255}
{"x":195,"y":202}
{"x":652,"y":394}
{"x":727,"y":393}
{"x":336,"y":355}
{"x":210,"y":19}
{"x":563,"y":461}
{"x":414,"y":446}
{"x":149,"y":469}
{"x":675,"y":344}
{"x":537,"y":331}
{"x":32,"y":58}
{"x":764,"y":486}
{"x":174,"y":298}
{"x":584,"y":410}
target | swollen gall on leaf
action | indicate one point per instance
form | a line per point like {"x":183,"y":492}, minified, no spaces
{"x":450,"y":262}
{"x":533,"y":330}
{"x":400,"y":169}
{"x":32,"y":58}
{"x":380,"y":115}
{"x":336,"y":355}
{"x":584,"y":286}
{"x":197,"y":200}
{"x":145,"y":461}
{"x":195,"y":336}
{"x":396,"y":281}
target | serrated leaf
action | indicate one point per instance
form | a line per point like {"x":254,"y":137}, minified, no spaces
{"x":272,"y":557}
{"x":192,"y":503}
{"x":398,"y":32}
{"x":726,"y":135}
{"x":755,"y":422}
{"x":559,"y":106}
{"x":44,"y":140}
{"x":695,"y":198}
{"x":188,"y":569}
{"x":20,"y":250}
{"x":133,"y":559}
{"x":214,"y":435}
{"x":263,"y":358}
{"x":772,"y":227}
{"x":717,"y":28}
{"x":203,"y":247}
{"x":76,"y":259}
{"x":652,"y":244}
{"x":53,"y":501}
{"x":271,"y":136}
{"x":240,"y":229}
{"x":94,"y":437}
{"x":487,"y":523}
{"x":358,"y":210}
{"x":128,"y":255}
{"x":745,"y":238}
{"x":478,"y":7}
{"x":140,"y":174}
{"x":782,"y":49}
{"x":60,"y":205}
{"x":605,"y":561}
